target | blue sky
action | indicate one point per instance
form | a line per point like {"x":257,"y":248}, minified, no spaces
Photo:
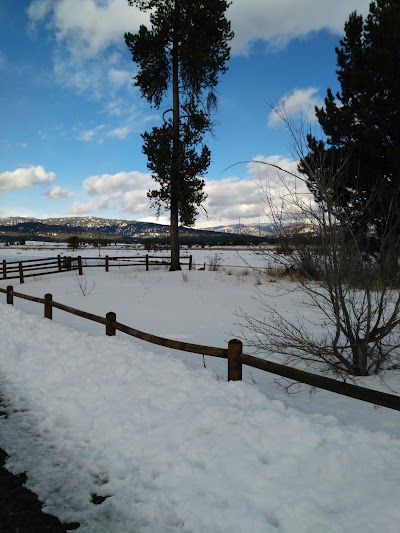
{"x":71,"y":120}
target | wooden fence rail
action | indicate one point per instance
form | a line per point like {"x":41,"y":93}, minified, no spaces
{"x":233,"y":353}
{"x":34,"y":267}
{"x":52,"y":265}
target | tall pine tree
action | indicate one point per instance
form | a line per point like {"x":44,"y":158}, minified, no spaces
{"x":180,"y":58}
{"x":362,"y":122}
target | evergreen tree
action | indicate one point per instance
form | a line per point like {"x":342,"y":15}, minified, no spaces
{"x":73,"y":242}
{"x":179,"y":60}
{"x":362,"y":122}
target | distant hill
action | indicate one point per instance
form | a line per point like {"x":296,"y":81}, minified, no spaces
{"x":94,"y":228}
{"x":260,"y":230}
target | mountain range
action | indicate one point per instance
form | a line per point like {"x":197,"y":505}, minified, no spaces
{"x":94,"y":228}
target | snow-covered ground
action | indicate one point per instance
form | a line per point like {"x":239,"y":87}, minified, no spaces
{"x":230,"y":256}
{"x":171,"y":443}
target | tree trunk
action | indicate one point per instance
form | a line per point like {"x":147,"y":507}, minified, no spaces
{"x":174,"y":235}
{"x":175,"y":167}
{"x":360,"y":359}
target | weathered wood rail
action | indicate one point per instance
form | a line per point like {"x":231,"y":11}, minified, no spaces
{"x":53,"y":265}
{"x":34,"y":267}
{"x":233,"y":353}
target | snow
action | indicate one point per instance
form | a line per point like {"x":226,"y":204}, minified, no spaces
{"x":172,"y":444}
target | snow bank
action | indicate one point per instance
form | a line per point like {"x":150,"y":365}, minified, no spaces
{"x":177,"y":449}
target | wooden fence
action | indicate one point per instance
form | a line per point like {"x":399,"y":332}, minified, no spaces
{"x":52,"y":265}
{"x":33,"y":267}
{"x":233,"y":353}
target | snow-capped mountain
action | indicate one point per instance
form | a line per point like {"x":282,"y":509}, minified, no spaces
{"x":260,"y":230}
{"x":94,"y":228}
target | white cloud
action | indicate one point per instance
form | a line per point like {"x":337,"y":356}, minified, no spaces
{"x":89,"y":135}
{"x":93,"y":134}
{"x":114,"y":108}
{"x":275,"y":169}
{"x":119,"y":77}
{"x":89,"y":27}
{"x":58,"y":193}
{"x":277,"y":22}
{"x":100,"y":204}
{"x":136,"y":201}
{"x":223,"y":198}
{"x":86,"y":27}
{"x":86,"y":136}
{"x":120,"y":133}
{"x":279,"y":181}
{"x":89,"y":51}
{"x":37,"y":11}
{"x":122,"y":181}
{"x":299,"y":103}
{"x":23,"y":178}
{"x":130,"y":203}
{"x":229,"y":199}
{"x":90,"y":55}
{"x":79,"y":77}
{"x":122,"y":192}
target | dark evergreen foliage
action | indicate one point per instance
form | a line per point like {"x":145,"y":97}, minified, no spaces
{"x":362,"y":122}
{"x":180,"y":58}
{"x":158,"y":148}
{"x":74,"y":242}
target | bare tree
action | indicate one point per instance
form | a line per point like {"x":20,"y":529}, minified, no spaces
{"x":81,"y":282}
{"x":214,"y":262}
{"x":341,"y":277}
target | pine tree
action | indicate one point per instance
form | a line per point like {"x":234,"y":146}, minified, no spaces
{"x":362,"y":122}
{"x":179,"y":60}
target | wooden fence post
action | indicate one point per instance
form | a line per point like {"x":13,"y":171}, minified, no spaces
{"x":80,"y":269}
{"x":147,"y":262}
{"x":107,"y":258}
{"x":110,"y":318}
{"x":10,"y":295}
{"x":235,"y":348}
{"x":59,"y":262}
{"x":4,"y":269}
{"x":190,"y":262}
{"x":21,"y":272}
{"x":48,"y":308}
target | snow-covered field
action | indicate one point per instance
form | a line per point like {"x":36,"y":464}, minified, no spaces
{"x":171,"y":443}
{"x":231,"y":256}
